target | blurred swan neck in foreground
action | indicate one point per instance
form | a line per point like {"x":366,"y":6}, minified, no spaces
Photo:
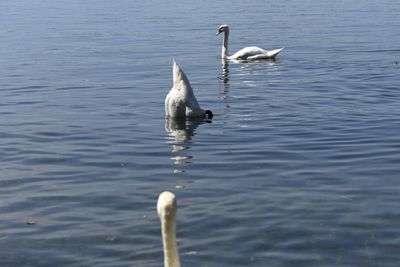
{"x":166,"y":209}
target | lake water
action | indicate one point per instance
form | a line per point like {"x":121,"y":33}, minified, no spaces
{"x":299,"y":167}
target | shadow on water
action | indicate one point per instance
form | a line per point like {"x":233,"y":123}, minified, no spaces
{"x":182,"y":131}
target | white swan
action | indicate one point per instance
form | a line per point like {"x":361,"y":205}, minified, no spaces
{"x":247,"y":53}
{"x":180,"y":101}
{"x":166,"y":209}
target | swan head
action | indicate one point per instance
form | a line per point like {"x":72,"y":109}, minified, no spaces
{"x":166,"y":205}
{"x":223,"y":28}
{"x":209,"y":114}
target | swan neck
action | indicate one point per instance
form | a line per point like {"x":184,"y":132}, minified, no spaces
{"x":171,"y":256}
{"x":224,"y":53}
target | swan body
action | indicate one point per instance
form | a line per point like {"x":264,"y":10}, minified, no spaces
{"x":254,"y":53}
{"x":247,"y":53}
{"x":166,"y":209}
{"x":180,"y":101}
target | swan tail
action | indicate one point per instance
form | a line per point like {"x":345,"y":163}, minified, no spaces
{"x":176,"y":71}
{"x":179,"y":77}
{"x":275,"y":52}
{"x":182,"y":85}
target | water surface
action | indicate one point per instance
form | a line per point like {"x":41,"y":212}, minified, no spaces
{"x":299,"y":167}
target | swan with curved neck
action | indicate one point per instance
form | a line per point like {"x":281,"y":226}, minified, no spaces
{"x":247,"y":53}
{"x":180,"y":101}
{"x":166,"y":209}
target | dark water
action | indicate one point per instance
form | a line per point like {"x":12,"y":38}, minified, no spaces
{"x":299,"y":167}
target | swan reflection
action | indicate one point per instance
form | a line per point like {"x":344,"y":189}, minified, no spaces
{"x":182,"y":131}
{"x":243,"y":69}
{"x":246,"y":69}
{"x":224,"y":77}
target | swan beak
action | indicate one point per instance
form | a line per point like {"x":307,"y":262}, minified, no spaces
{"x":217,"y":33}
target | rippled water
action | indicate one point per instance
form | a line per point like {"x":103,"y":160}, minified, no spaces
{"x":299,"y":167}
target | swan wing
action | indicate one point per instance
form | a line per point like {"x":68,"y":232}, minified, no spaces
{"x":268,"y":55}
{"x":247,"y":52}
{"x":254,"y":53}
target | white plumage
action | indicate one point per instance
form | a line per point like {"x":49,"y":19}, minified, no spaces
{"x":166,"y":209}
{"x":247,"y":53}
{"x":180,"y":101}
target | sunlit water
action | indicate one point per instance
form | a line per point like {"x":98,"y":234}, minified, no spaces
{"x":299,"y":167}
